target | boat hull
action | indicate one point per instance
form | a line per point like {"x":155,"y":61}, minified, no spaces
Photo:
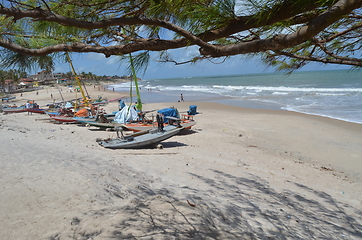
{"x":148,"y":138}
{"x":63,"y":119}
{"x":137,"y":127}
{"x":93,"y":120}
{"x":36,"y":110}
{"x":100,"y":124}
{"x":14,"y":110}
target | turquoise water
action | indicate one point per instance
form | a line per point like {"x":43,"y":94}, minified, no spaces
{"x":334,"y":94}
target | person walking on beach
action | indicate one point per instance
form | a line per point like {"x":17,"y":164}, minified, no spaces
{"x":182,"y":98}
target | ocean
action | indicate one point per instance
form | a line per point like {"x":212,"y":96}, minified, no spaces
{"x":335,"y":94}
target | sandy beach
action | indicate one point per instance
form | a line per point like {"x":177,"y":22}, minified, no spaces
{"x":239,"y":173}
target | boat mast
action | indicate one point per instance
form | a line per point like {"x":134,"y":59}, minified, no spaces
{"x":135,"y":79}
{"x":77,"y":79}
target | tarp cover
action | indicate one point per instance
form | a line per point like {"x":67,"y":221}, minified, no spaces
{"x":82,"y":113}
{"x":192,"y":110}
{"x":124,"y":115}
{"x":68,"y":105}
{"x":172,"y":112}
{"x":121,"y":104}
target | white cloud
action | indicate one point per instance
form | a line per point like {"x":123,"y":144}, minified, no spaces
{"x":112,"y":60}
{"x":95,"y":56}
{"x":101,"y":58}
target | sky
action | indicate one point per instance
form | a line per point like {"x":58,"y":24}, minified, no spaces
{"x":99,"y":65}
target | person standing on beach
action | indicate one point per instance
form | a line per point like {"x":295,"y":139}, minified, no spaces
{"x":159,"y":119}
{"x":27,"y":106}
{"x":182,"y":98}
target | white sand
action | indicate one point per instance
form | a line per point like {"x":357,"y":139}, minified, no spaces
{"x":247,"y":174}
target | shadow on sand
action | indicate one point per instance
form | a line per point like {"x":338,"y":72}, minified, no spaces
{"x":226,"y":207}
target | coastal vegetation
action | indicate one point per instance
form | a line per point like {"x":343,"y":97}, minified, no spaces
{"x":17,"y":81}
{"x":286,"y":34}
{"x":15,"y":75}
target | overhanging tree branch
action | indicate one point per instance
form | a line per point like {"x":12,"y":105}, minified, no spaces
{"x":338,"y":60}
{"x":283,"y":41}
{"x":285,"y":24}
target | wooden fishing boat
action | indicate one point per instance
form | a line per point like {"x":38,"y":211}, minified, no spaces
{"x":64,"y":119}
{"x":142,"y":139}
{"x":52,"y":112}
{"x":14,"y":109}
{"x":101,"y":118}
{"x":7,"y":98}
{"x":139,"y":126}
{"x":94,"y":123}
{"x":36,"y":110}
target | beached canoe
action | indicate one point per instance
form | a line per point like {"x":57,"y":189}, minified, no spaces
{"x":94,"y":123}
{"x":102,"y":118}
{"x":14,"y":109}
{"x":138,"y":127}
{"x":36,"y":110}
{"x":63,"y":119}
{"x":7,"y":98}
{"x":142,"y":139}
